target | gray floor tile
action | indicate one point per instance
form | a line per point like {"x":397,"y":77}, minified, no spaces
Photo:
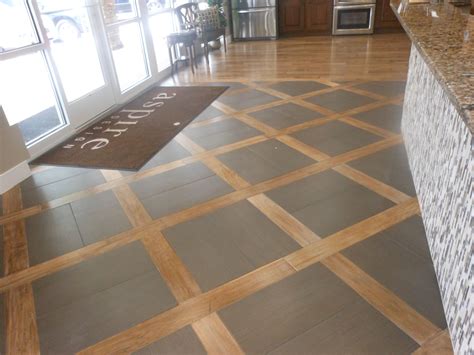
{"x":295,"y":88}
{"x":182,"y":342}
{"x":388,"y":117}
{"x":385,"y":88}
{"x":228,"y":243}
{"x":312,"y":301}
{"x":98,"y":298}
{"x":285,"y":115}
{"x":220,"y":133}
{"x":334,"y":138}
{"x":51,"y":175}
{"x":328,"y":202}
{"x":185,"y":196}
{"x":51,"y":234}
{"x":389,"y":166}
{"x":170,"y":180}
{"x":62,"y":188}
{"x":99,"y":216}
{"x":356,"y":329}
{"x":92,"y":319}
{"x":208,"y":113}
{"x":251,"y":98}
{"x":390,"y":259}
{"x":340,"y":100}
{"x":171,"y":152}
{"x":264,"y":160}
{"x":90,"y":277}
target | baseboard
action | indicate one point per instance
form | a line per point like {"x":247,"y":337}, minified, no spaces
{"x":14,"y":176}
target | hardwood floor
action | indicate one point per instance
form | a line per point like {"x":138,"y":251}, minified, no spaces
{"x":245,"y":233}
{"x":327,"y":57}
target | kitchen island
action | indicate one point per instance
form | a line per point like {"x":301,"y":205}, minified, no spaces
{"x":438,"y":127}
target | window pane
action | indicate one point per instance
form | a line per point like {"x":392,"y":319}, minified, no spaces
{"x":118,"y":10}
{"x":16,"y":27}
{"x":161,"y":25}
{"x":74,"y":48}
{"x":27,"y":96}
{"x":128,"y":53}
{"x":156,"y":6}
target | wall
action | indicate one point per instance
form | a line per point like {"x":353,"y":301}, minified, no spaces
{"x":13,"y":155}
{"x":440,"y":151}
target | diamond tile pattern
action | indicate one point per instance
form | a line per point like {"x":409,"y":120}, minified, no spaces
{"x":229,"y":245}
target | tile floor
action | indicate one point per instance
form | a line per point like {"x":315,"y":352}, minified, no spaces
{"x":204,"y":220}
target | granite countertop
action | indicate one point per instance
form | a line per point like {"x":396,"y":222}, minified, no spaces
{"x":444,"y":35}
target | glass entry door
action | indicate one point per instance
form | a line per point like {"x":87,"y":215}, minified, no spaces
{"x":77,"y":46}
{"x":64,"y":62}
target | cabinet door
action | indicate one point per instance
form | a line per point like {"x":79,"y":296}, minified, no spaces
{"x":318,"y":16}
{"x":291,"y":16}
{"x":384,"y":16}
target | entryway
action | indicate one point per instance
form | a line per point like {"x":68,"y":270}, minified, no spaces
{"x":64,"y":63}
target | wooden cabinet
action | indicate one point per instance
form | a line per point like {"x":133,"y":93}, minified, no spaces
{"x":291,"y":16}
{"x":318,"y":16}
{"x":305,"y":16}
{"x":315,"y":17}
{"x":384,"y":16}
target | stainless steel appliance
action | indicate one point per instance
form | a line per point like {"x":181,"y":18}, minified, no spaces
{"x":353,"y":17}
{"x":254,"y":19}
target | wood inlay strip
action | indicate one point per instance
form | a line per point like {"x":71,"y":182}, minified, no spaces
{"x":367,"y":127}
{"x":178,"y":278}
{"x":349,"y":236}
{"x":373,"y":184}
{"x":215,"y":337}
{"x":440,"y":344}
{"x":202,"y":305}
{"x":100,"y":247}
{"x":21,"y":328}
{"x":391,"y":306}
{"x":210,"y":330}
{"x":31,"y":211}
{"x":192,"y":310}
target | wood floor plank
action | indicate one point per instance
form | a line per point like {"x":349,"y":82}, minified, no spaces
{"x":294,"y":228}
{"x":440,"y":344}
{"x":177,"y":277}
{"x":367,"y":127}
{"x":394,"y":308}
{"x":399,"y":312}
{"x":210,"y":330}
{"x":347,"y":237}
{"x":192,"y":310}
{"x":109,"y":185}
{"x":373,"y":184}
{"x":124,"y":238}
{"x":21,"y":329}
{"x":202,"y":305}
{"x":215,"y":337}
